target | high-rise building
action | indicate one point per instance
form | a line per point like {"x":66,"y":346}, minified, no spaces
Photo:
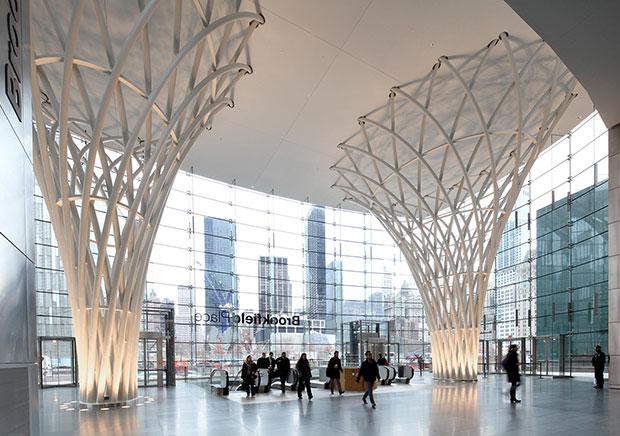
{"x":219,"y":237}
{"x":333,"y":292}
{"x":274,"y":285}
{"x":512,"y":286}
{"x":315,"y":263}
{"x":184,"y":322}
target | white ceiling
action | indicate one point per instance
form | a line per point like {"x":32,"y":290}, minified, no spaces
{"x":320,"y":64}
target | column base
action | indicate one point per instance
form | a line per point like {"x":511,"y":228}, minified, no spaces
{"x":455,"y":354}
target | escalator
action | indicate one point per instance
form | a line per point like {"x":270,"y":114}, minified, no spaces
{"x":262,"y":380}
{"x":387,"y":374}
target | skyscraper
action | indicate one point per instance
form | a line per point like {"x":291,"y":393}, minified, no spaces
{"x":315,"y":263}
{"x":333,"y":291}
{"x":184,"y":322}
{"x":219,"y":266}
{"x":512,"y":291}
{"x":274,"y":286}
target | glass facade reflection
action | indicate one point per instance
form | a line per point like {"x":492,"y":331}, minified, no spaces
{"x":550,"y":278}
{"x":224,"y":252}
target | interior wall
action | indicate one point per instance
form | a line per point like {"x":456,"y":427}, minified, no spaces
{"x":614,"y":257}
{"x":18,"y":361}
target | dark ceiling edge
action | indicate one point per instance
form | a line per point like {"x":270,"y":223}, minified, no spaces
{"x":583,"y":34}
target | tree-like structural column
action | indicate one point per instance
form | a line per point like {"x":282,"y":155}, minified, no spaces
{"x":441,"y":164}
{"x":122,"y":90}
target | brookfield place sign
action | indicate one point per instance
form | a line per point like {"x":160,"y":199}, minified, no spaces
{"x":245,"y":318}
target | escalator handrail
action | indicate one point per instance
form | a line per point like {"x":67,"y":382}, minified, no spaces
{"x":216,"y":371}
{"x":393,"y":374}
{"x":259,"y":377}
{"x":381,"y":367}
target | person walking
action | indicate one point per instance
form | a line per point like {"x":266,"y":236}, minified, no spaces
{"x":421,"y":363}
{"x":248,"y":376}
{"x":334,"y":368}
{"x":284,"y":366}
{"x":304,"y":376}
{"x":511,"y":366}
{"x":369,"y":371}
{"x":598,"y":362}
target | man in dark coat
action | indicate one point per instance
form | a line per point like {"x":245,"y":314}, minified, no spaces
{"x":382,"y":360}
{"x":334,"y":368}
{"x":304,"y":373}
{"x":369,"y":371}
{"x":284,"y":366}
{"x":263,"y":361}
{"x":598,"y":362}
{"x":511,"y":366}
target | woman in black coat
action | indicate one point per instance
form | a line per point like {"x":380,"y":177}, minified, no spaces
{"x":304,"y":375}
{"x":334,"y":368}
{"x":511,"y":366}
{"x":249,"y":372}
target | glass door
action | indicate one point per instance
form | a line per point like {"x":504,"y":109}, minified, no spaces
{"x":58,"y":362}
{"x":151,"y":363}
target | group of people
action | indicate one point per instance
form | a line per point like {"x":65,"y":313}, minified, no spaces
{"x":275,"y":367}
{"x":511,"y":366}
{"x":368,"y":371}
{"x":279,"y":367}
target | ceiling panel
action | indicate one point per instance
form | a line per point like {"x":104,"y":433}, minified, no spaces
{"x":231,"y":151}
{"x":288,"y":64}
{"x":349,"y":89}
{"x":331,"y":20}
{"x":404,"y":38}
{"x":299,"y":172}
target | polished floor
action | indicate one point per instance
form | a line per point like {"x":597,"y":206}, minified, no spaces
{"x":550,"y":407}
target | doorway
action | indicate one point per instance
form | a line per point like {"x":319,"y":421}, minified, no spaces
{"x":552,"y":353}
{"x":156,"y":364}
{"x":57,"y":362}
{"x":151,"y":364}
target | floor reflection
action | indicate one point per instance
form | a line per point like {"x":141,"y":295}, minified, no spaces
{"x":550,"y":407}
{"x":449,"y":400}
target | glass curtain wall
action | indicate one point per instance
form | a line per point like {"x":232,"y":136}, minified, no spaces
{"x":550,"y":278}
{"x":248,"y":272}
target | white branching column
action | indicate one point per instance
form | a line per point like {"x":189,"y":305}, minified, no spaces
{"x":122,"y":90}
{"x":441,"y":164}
